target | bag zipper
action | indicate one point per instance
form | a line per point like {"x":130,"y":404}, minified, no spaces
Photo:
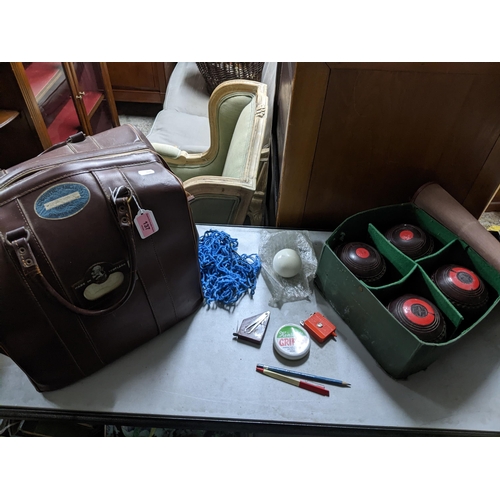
{"x":34,"y":170}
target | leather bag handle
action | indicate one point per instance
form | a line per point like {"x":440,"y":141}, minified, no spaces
{"x":18,"y":239}
{"x":78,"y":137}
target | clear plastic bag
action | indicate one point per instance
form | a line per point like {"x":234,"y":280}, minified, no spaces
{"x":287,"y":289}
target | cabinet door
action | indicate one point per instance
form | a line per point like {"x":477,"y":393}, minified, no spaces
{"x":140,"y":81}
{"x":47,"y":89}
{"x":65,"y":98}
{"x":92,"y":96}
{"x":43,"y":103}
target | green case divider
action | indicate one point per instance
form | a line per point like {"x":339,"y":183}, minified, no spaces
{"x":402,"y":263}
{"x":432,"y":226}
{"x":444,"y":305}
{"x":397,"y":264}
{"x":435,"y":255}
{"x":459,"y":253}
{"x":419,"y":283}
{"x":386,"y":217}
{"x":357,"y":227}
{"x":485,"y":270}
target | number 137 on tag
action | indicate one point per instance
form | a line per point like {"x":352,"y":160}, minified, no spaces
{"x":145,"y":223}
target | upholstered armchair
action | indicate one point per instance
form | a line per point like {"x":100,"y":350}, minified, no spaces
{"x":183,"y":122}
{"x":223,"y":178}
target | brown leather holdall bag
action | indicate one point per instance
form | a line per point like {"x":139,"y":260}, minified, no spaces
{"x":99,"y":255}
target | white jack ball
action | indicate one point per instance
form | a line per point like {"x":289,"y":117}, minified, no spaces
{"x":287,"y":263}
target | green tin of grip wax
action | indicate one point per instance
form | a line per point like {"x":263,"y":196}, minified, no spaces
{"x":292,"y":341}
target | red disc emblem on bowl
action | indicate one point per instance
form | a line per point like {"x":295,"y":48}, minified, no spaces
{"x":362,"y":252}
{"x":406,"y":235}
{"x":419,"y":312}
{"x":464,"y":278}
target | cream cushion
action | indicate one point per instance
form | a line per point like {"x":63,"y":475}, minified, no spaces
{"x":183,"y":121}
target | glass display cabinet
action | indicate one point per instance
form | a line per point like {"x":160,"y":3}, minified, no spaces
{"x":54,"y":100}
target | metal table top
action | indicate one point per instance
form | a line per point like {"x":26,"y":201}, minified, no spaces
{"x":197,"y":375}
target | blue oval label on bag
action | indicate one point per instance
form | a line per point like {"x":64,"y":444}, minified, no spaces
{"x":62,"y":201}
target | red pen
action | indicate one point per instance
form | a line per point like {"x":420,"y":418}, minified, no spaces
{"x":319,"y":389}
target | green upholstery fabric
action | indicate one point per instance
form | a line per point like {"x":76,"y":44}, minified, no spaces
{"x":238,"y":150}
{"x":214,"y":209}
{"x":229,"y":112}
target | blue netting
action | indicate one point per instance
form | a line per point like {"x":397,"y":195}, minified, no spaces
{"x":225,"y":275}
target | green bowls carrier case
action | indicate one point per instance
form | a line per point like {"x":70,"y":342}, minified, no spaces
{"x":458,"y":238}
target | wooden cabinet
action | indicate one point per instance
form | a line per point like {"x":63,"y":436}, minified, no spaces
{"x":140,"y":81}
{"x":51,"y":101}
{"x":355,"y":136}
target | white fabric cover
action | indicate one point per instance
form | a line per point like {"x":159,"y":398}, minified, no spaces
{"x":183,"y":122}
{"x":188,"y":132}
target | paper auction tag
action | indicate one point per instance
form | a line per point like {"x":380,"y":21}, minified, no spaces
{"x":145,"y":223}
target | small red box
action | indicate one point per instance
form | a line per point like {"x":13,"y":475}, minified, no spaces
{"x":319,"y":327}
